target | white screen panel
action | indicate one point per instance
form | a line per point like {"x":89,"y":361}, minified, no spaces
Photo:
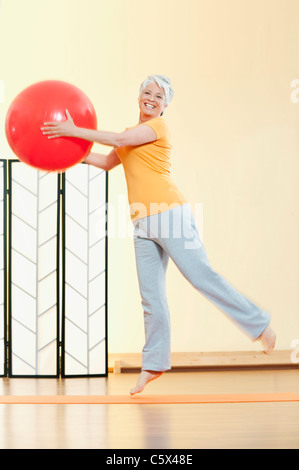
{"x":2,"y":266}
{"x":34,"y":272}
{"x":85,"y":272}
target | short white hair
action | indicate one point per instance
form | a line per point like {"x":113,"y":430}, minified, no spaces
{"x":162,"y":82}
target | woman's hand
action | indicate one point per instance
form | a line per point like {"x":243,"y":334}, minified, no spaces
{"x":60,"y":129}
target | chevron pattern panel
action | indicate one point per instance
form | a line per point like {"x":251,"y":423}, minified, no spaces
{"x":34,"y":272}
{"x":2,"y":266}
{"x":85,"y":272}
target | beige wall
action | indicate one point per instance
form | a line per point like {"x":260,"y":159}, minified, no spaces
{"x":235,"y":135}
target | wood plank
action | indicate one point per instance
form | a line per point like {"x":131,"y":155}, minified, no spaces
{"x":148,"y":399}
{"x":188,"y":360}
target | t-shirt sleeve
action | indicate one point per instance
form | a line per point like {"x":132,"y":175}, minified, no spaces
{"x":119,"y":150}
{"x":159,"y":126}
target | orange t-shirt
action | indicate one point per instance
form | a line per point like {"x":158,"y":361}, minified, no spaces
{"x":147,"y":170}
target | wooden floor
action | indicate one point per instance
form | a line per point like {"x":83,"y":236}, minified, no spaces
{"x":186,"y":426}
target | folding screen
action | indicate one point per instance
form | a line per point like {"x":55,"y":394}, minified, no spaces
{"x":33,"y":273}
{"x":3,"y":280}
{"x":85,"y":271}
{"x":53,"y":260}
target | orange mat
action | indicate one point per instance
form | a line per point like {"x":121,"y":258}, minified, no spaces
{"x":148,"y":399}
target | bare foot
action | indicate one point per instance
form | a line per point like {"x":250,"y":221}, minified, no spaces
{"x":145,"y":377}
{"x":268,"y":339}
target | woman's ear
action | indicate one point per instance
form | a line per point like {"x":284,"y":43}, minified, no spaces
{"x":163,"y":110}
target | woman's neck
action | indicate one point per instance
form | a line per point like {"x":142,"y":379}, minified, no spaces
{"x":143,"y":119}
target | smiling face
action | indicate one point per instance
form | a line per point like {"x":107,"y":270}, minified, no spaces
{"x":151,"y":102}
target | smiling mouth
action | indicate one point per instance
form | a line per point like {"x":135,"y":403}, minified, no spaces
{"x":149,"y":106}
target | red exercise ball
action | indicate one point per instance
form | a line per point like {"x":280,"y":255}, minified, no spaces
{"x":44,"y":102}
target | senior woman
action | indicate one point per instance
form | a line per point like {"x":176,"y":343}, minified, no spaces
{"x":163,"y":227}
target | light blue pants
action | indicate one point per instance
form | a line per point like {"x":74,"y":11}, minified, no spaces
{"x":173,"y":234}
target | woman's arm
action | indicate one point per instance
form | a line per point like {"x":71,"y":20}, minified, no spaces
{"x":105,"y":162}
{"x":139,"y":135}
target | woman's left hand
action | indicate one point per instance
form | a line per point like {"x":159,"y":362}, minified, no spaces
{"x":60,"y":129}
